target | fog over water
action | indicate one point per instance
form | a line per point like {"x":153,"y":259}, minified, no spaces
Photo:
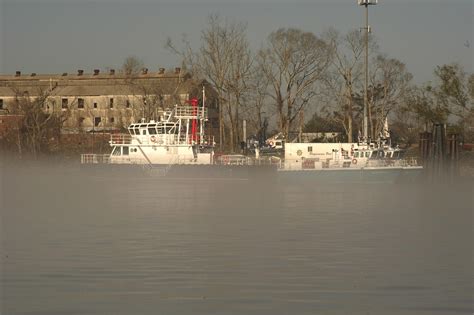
{"x":74,"y":242}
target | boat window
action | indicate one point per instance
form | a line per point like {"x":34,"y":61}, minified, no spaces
{"x":310,"y":149}
{"x":381,"y":154}
{"x":356,"y":154}
{"x":116,"y":151}
{"x":137,"y":131}
{"x":367,"y":154}
{"x":125,"y":151}
{"x":143,"y":132}
{"x":151,"y":131}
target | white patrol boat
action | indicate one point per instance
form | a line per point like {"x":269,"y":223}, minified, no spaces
{"x":348,"y":163}
{"x":344,"y":155}
{"x":176,"y":138}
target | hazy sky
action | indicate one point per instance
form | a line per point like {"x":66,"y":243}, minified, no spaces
{"x":65,"y":35}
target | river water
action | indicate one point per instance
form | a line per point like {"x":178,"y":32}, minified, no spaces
{"x":72,"y":243}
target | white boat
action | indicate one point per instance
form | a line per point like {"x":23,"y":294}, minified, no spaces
{"x":348,"y":162}
{"x":343,"y":155}
{"x":176,"y":138}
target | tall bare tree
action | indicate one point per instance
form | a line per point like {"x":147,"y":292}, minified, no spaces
{"x":343,"y":78}
{"x":147,"y":100}
{"x":224,"y":60}
{"x":293,"y":62}
{"x":42,"y":119}
{"x":390,"y":81}
{"x":257,"y":110}
{"x":450,"y":98}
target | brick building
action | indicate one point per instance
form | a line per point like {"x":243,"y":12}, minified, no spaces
{"x":109,"y":101}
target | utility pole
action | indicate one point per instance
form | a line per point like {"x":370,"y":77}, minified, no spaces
{"x":366,"y":3}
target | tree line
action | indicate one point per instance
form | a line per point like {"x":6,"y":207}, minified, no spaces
{"x":296,"y":73}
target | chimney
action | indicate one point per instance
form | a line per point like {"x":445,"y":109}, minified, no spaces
{"x":33,"y":74}
{"x":177,"y":70}
{"x":96,"y":71}
{"x":161,"y":71}
{"x":80,"y":72}
{"x":112,"y":72}
{"x":18,"y":73}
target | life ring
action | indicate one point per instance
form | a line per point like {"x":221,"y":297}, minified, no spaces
{"x":153,"y":138}
{"x":299,"y":152}
{"x":271,"y":143}
{"x":354,"y":161}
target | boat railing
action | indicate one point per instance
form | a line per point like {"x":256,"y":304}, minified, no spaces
{"x":161,"y":139}
{"x":190,"y":112}
{"x":120,"y":138}
{"x":237,"y":159}
{"x":91,"y":158}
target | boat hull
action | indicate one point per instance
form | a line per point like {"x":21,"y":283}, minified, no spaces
{"x":382,"y":175}
{"x":184,"y":171}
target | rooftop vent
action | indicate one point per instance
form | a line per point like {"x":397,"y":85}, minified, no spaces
{"x":33,"y":74}
{"x":144,"y":70}
{"x":64,"y":74}
{"x":80,"y":72}
{"x":17,"y":74}
{"x":177,"y":70}
{"x":112,"y":71}
{"x":96,"y":71}
{"x":161,"y":71}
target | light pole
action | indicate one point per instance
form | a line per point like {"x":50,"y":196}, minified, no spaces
{"x":366,"y":3}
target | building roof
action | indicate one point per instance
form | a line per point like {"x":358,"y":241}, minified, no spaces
{"x":94,"y":85}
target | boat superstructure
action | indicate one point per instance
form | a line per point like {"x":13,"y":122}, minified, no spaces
{"x":176,"y":138}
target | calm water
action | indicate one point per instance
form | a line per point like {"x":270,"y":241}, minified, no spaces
{"x":76,"y":244}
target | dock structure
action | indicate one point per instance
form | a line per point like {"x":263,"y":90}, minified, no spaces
{"x":439,"y":152}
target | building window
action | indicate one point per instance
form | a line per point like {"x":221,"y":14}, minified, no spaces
{"x":64,"y":103}
{"x":97,"y":121}
{"x":112,"y":120}
{"x":1,"y":103}
{"x":127,"y":103}
{"x":80,"y":103}
{"x":111,"y":102}
{"x":95,"y":104}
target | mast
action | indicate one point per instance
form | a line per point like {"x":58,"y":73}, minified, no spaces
{"x":202,"y":116}
{"x":366,"y":3}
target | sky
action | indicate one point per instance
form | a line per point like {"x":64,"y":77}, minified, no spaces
{"x":46,"y":36}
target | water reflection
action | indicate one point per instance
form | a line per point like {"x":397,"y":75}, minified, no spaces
{"x":79,"y":244}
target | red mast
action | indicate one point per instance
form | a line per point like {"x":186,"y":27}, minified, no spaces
{"x":194,"y":103}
